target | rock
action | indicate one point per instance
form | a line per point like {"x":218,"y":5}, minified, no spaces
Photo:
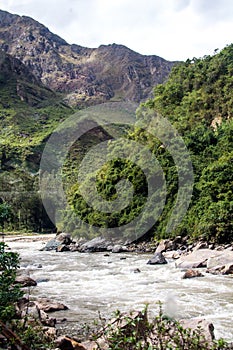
{"x":62,"y":248}
{"x":66,"y":343}
{"x":196,"y":259}
{"x":49,"y":305}
{"x":162,"y":247}
{"x":31,"y":311}
{"x":42,"y":280}
{"x":192,"y":273}
{"x":64,"y":238}
{"x":119,"y":249}
{"x":46,"y":320}
{"x":221,"y":259}
{"x":74,"y":247}
{"x":50,"y":333}
{"x":195,"y":323}
{"x":171,"y":254}
{"x":98,"y":244}
{"x":200,"y":245}
{"x":228,"y":269}
{"x":224,"y":270}
{"x":51,"y":245}
{"x":25,"y":281}
{"x":157,"y":259}
{"x":136,"y":270}
{"x":90,"y":345}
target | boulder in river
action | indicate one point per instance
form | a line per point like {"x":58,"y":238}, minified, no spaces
{"x":64,"y":238}
{"x":119,"y":248}
{"x":51,"y":245}
{"x":25,"y":281}
{"x":192,"y":273}
{"x":157,"y":259}
{"x":196,"y":259}
{"x":221,"y":259}
{"x":98,"y":244}
{"x":206,"y":327}
{"x":63,"y":248}
{"x":48,"y":305}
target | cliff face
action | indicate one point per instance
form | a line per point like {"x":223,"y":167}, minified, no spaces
{"x":17,"y":82}
{"x":85,"y":76}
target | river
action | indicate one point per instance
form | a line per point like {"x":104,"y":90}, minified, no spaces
{"x":88,"y":283}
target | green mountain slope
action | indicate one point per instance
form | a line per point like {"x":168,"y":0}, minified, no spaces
{"x":197,"y":100}
{"x":29,"y":112}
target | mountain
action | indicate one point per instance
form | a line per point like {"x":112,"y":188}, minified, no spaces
{"x":84,"y":75}
{"x":18,"y":80}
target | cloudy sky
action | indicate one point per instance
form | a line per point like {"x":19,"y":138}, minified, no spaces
{"x":173,"y":29}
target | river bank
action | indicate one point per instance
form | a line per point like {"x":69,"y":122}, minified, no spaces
{"x":89,"y":283}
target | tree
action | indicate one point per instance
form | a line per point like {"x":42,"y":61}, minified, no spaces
{"x":5,"y":214}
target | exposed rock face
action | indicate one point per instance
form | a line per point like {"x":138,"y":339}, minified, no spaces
{"x":85,"y":75}
{"x":26,"y":85}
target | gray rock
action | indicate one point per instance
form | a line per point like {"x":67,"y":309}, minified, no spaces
{"x":158,"y":259}
{"x":51,"y":245}
{"x":119,"y":249}
{"x":196,"y":259}
{"x":223,"y":258}
{"x":98,"y":244}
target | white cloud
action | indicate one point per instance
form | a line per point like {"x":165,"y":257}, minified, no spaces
{"x":173,"y":29}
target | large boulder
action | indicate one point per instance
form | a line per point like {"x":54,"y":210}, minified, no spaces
{"x":192,"y":273}
{"x":60,"y":243}
{"x":206,"y":327}
{"x":196,"y":259}
{"x":223,"y":258}
{"x":25,"y":281}
{"x":119,"y":248}
{"x":98,"y":244}
{"x":53,"y":244}
{"x":48,"y":305}
{"x":158,"y":259}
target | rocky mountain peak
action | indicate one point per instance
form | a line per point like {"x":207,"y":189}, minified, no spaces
{"x":84,"y":75}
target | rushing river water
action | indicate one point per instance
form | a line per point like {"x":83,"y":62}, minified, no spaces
{"x":88,"y":283}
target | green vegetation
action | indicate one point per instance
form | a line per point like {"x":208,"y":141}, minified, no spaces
{"x":131,"y":332}
{"x":9,"y":293}
{"x":197,"y":100}
{"x":28,"y":114}
{"x":17,"y":331}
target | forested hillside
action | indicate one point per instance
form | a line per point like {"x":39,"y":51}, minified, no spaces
{"x":197,"y":100}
